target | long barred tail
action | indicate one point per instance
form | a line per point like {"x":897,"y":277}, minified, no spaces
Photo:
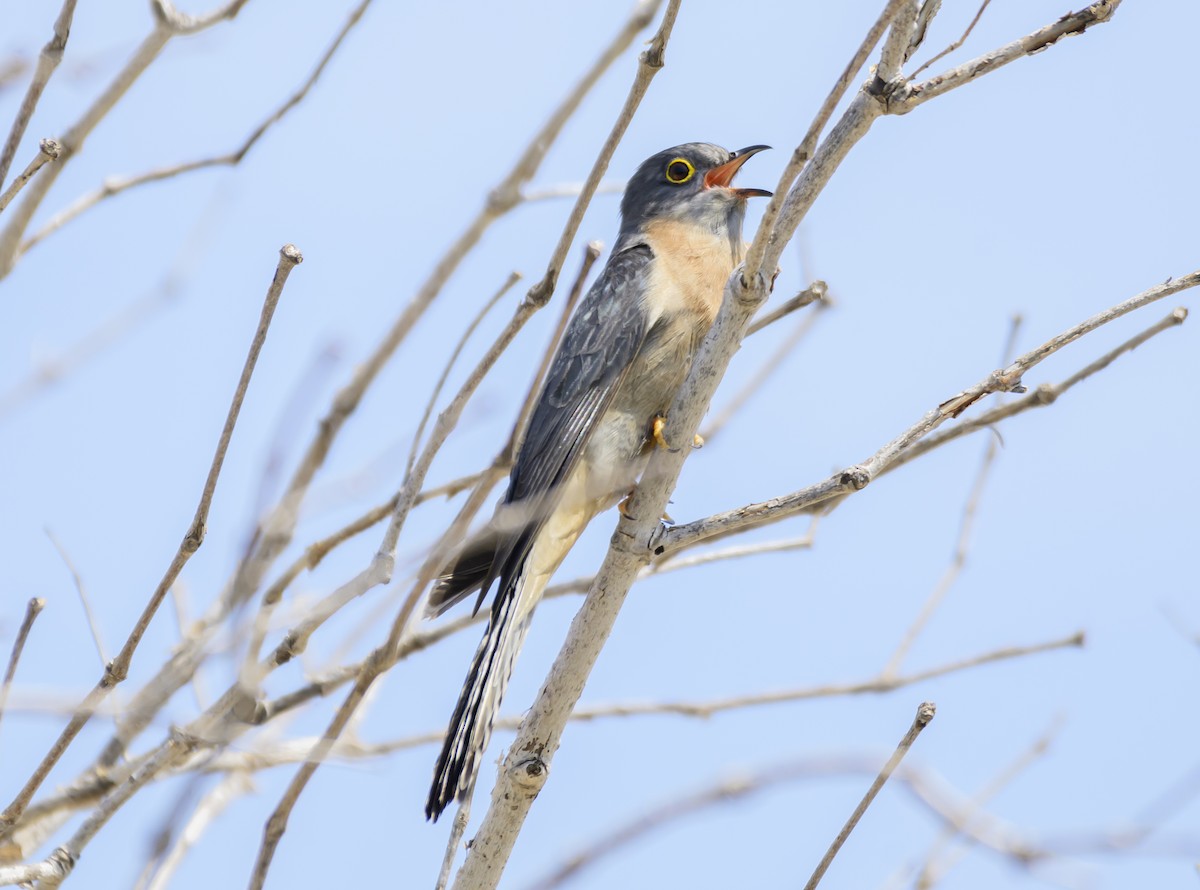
{"x":471,"y":726}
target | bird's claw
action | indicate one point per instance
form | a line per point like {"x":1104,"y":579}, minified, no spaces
{"x":656,"y":431}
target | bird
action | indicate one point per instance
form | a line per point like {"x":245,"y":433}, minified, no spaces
{"x":600,"y":413}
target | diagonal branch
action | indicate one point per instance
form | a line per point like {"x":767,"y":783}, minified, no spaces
{"x":925,"y":714}
{"x":858,"y":477}
{"x":48,"y":150}
{"x":279,"y":527}
{"x":117,"y":670}
{"x":910,"y":95}
{"x":116,"y":185}
{"x":48,"y":60}
{"x":32,"y":609}
{"x":168,"y":24}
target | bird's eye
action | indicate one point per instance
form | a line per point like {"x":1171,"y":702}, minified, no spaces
{"x":680,"y":171}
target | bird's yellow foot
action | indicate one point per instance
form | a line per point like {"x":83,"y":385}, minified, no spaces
{"x":656,"y":431}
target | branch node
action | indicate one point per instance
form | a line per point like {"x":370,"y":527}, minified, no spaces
{"x":856,"y":478}
{"x":529,"y":774}
{"x":292,"y":254}
{"x":194,"y":537}
{"x":1045,"y":394}
{"x":115,"y":673}
{"x":246,"y":708}
{"x":503,"y":198}
{"x":51,"y":148}
{"x":925,"y":713}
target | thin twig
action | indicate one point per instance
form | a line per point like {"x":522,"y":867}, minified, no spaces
{"x":738,"y":786}
{"x":33,"y":608}
{"x":457,"y":830}
{"x":856,"y":478}
{"x":650,"y":62}
{"x":168,"y":24}
{"x":278,"y":528}
{"x":762,"y":374}
{"x":48,"y":150}
{"x":512,"y":279}
{"x":569,"y":190}
{"x":1042,"y":396}
{"x":56,"y":366}
{"x":879,"y":684}
{"x":422,"y":640}
{"x":379,"y":572}
{"x":210,"y":808}
{"x":118,"y":669}
{"x":93,"y":625}
{"x":966,"y":524}
{"x":956,"y":44}
{"x":909,"y":95}
{"x":48,"y":60}
{"x":756,"y":262}
{"x":924,"y":715}
{"x":116,"y":185}
{"x":933,"y":868}
{"x":817,"y":292}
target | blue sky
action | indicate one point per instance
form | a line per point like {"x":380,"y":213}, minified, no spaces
{"x":1054,"y":188}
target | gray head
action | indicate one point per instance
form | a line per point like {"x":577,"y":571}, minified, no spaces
{"x":690,"y":182}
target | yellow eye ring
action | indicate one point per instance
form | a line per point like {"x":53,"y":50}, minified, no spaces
{"x":680,"y":170}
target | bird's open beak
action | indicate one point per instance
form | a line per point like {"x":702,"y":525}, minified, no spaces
{"x":723,"y":175}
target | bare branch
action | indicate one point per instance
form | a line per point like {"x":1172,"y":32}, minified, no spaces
{"x":33,"y":608}
{"x":919,"y":782}
{"x":1043,"y":395}
{"x":93,"y":626}
{"x":234,"y":785}
{"x":649,"y":63}
{"x":116,"y":185}
{"x":924,"y":715}
{"x":167,"y":25}
{"x":966,"y":524}
{"x":768,"y":367}
{"x":958,"y":43}
{"x":756,"y":257}
{"x":48,"y":150}
{"x":118,"y":669}
{"x":379,"y":572}
{"x":280,"y":525}
{"x":569,"y":190}
{"x":457,"y":830}
{"x":48,"y":60}
{"x":876,"y":685}
{"x":937,"y":864}
{"x":817,"y":292}
{"x":54,"y":367}
{"x":182,"y":23}
{"x":896,"y":47}
{"x":910,"y":95}
{"x":512,"y":279}
{"x":858,"y":477}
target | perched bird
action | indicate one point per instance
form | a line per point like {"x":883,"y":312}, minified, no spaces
{"x":622,"y":359}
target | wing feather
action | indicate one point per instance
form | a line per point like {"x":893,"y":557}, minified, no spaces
{"x":599,"y":345}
